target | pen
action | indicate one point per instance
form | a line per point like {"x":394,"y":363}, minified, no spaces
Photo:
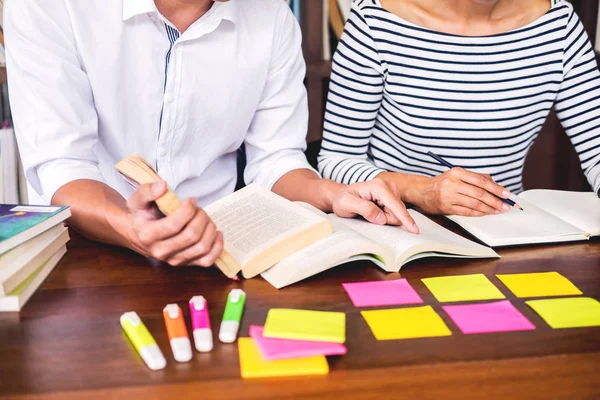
{"x":178,"y":335}
{"x":232,"y":316}
{"x":447,"y":164}
{"x":201,"y":324}
{"x":142,"y":341}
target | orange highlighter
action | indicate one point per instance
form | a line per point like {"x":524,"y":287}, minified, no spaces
{"x":178,"y":335}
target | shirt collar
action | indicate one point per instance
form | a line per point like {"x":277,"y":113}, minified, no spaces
{"x":222,"y":10}
{"x":131,"y":8}
{"x":226,"y":10}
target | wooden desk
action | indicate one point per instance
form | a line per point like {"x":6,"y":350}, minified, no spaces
{"x":67,"y":343}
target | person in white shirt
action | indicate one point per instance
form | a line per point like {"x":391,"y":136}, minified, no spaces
{"x":184,"y":83}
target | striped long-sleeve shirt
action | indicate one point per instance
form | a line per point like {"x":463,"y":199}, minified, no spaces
{"x":399,"y":90}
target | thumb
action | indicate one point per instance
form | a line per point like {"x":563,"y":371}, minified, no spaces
{"x":146,"y":195}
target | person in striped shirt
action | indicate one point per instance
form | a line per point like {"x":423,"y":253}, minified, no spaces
{"x":470,"y":80}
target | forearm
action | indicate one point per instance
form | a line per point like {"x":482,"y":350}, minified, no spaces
{"x":409,"y":186}
{"x":98,"y":211}
{"x":306,"y":186}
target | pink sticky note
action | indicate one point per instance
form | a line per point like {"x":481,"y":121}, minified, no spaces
{"x":382,"y":293}
{"x":280,"y":349}
{"x":500,"y":316}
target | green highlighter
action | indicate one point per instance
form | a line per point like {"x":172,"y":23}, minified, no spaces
{"x":232,"y":316}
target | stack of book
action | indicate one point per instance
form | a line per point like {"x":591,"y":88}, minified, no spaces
{"x":32,"y":241}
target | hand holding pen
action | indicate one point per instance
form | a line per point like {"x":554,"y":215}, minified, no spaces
{"x":482,"y":187}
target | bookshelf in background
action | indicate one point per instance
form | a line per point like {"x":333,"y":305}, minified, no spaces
{"x":552,"y":162}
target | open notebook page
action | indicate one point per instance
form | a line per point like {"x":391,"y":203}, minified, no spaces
{"x":398,"y":239}
{"x":532,"y":225}
{"x":580,"y":209}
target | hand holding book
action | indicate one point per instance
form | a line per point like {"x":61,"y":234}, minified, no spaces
{"x":260,"y":227}
{"x":187,"y":236}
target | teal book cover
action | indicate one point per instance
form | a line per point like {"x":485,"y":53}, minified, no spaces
{"x":15,"y":219}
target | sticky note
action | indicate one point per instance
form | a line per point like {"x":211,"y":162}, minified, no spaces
{"x":573,"y":312}
{"x":382,"y":293}
{"x":500,"y":316}
{"x":281,"y":349}
{"x":405,"y":323}
{"x":542,"y":284}
{"x":319,"y":326}
{"x":463,"y":288}
{"x":252,"y":365}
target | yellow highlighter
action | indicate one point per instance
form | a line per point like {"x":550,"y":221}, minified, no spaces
{"x":143,"y":341}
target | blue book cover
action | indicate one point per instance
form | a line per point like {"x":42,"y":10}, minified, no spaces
{"x":21,"y":223}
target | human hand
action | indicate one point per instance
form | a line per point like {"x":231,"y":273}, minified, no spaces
{"x":375,"y":200}
{"x":186,"y":237}
{"x":457,"y":192}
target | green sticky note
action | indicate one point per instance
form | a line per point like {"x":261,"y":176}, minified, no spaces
{"x":573,"y":312}
{"x":542,"y":284}
{"x":320,"y":326}
{"x":463,"y":288}
{"x":406,"y":323}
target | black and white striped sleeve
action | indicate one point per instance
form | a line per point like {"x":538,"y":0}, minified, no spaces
{"x":578,"y":101}
{"x":355,"y":96}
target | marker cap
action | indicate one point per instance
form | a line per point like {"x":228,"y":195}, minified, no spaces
{"x":153,"y":357}
{"x":228,"y":332}
{"x":203,"y":339}
{"x":182,"y":349}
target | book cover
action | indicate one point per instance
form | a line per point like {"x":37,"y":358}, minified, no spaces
{"x":20,"y":223}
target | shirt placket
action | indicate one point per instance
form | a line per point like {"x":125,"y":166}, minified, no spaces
{"x":169,"y":108}
{"x":173,"y":91}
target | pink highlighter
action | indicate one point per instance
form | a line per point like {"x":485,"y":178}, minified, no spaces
{"x":201,"y":324}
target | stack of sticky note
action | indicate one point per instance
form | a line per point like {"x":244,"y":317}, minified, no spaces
{"x":292,"y":343}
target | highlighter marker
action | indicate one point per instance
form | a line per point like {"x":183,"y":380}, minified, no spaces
{"x":178,"y":335}
{"x":143,"y":341}
{"x":201,"y":324}
{"x":232,"y":316}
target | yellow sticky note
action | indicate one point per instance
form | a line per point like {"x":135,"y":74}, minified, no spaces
{"x":406,"y":323}
{"x":253,"y":365}
{"x":320,"y":326}
{"x":572,"y":312}
{"x":463,"y":288}
{"x":539,"y":284}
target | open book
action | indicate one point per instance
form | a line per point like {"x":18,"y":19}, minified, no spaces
{"x":259,"y":227}
{"x":390,"y":247}
{"x":548,"y":216}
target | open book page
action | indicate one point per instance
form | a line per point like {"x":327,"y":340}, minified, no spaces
{"x":580,"y":209}
{"x":530,"y":225}
{"x":254,"y":220}
{"x":433,"y":240}
{"x":328,"y":252}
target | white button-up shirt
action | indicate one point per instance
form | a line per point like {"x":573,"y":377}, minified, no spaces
{"x":89,"y":85}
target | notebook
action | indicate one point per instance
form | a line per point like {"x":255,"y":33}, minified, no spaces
{"x":15,"y":300}
{"x":18,"y":224}
{"x":548,"y":216}
{"x":19,"y":263}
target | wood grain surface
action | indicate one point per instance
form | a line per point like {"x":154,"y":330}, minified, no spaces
{"x":67,"y":342}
